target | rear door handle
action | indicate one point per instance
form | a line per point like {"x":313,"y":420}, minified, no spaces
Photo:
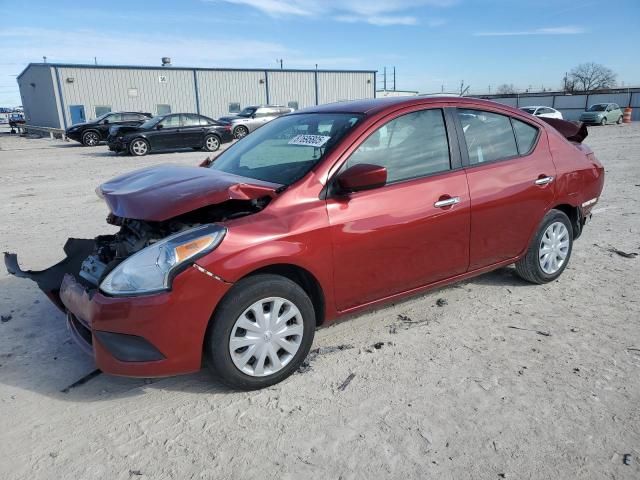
{"x":447,"y":202}
{"x":544,"y":180}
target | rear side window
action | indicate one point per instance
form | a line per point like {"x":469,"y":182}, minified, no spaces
{"x":489,"y":136}
{"x":526,"y":136}
{"x":410,"y":146}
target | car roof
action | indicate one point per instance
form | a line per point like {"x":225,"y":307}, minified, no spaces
{"x":371,"y":106}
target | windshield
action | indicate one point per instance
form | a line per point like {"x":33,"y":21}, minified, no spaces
{"x":151,"y":122}
{"x":102,"y":117}
{"x":600,"y":107}
{"x":285,"y":149}
{"x":530,"y":110}
{"x":247,"y":112}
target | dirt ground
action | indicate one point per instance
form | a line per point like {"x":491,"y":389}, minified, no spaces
{"x":443,"y":392}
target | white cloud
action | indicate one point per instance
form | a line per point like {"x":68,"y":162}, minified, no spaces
{"x":374,"y":12}
{"x":564,"y":30}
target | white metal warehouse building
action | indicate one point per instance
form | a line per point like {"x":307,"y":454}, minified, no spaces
{"x":59,"y":95}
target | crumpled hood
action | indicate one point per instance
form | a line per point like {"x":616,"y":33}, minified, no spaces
{"x":166,"y":191}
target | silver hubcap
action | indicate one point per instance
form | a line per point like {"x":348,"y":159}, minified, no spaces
{"x":241,"y":132}
{"x":266,"y":337}
{"x":212,"y":143}
{"x":91,"y":139}
{"x":139,"y":147}
{"x":554,"y":248}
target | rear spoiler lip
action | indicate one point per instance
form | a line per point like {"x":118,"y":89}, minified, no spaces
{"x":572,"y":131}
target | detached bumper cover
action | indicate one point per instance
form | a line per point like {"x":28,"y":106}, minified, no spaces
{"x":143,"y":336}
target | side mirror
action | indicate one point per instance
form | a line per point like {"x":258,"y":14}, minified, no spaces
{"x":363,"y":176}
{"x":105,"y":121}
{"x":206,"y":162}
{"x":159,"y":126}
{"x":253,"y":115}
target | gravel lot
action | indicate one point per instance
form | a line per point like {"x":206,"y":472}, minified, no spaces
{"x":454,"y":393}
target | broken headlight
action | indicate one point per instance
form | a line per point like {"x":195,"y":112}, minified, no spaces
{"x":152,"y":268}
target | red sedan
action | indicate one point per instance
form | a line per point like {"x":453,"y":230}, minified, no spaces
{"x":318,"y":214}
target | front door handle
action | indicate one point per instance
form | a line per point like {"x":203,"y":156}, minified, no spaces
{"x":447,"y":202}
{"x":543,"y":180}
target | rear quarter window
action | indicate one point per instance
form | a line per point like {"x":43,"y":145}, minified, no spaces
{"x":526,"y":136}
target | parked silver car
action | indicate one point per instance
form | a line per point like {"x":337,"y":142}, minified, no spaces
{"x":253,"y":117}
{"x":602,"y":113}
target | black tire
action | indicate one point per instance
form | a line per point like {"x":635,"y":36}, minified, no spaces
{"x":603,"y":122}
{"x":619,"y":121}
{"x":211,"y":143}
{"x":240,"y":132}
{"x":243,"y":294}
{"x":90,"y":138}
{"x":528,"y":267}
{"x":139,"y":147}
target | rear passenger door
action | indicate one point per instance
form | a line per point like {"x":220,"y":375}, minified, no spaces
{"x":193,"y":127}
{"x":511,"y":183}
{"x":415,"y":229}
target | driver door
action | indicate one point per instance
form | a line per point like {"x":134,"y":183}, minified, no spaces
{"x":169,"y":135}
{"x":414,"y":230}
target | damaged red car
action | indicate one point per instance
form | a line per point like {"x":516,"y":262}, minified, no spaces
{"x":318,"y":214}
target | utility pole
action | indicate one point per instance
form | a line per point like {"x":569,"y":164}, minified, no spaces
{"x":384,"y":79}
{"x":394,"y":79}
{"x":95,"y":60}
{"x":279,"y":61}
{"x":489,"y":89}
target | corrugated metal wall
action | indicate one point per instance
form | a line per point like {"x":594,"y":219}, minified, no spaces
{"x":39,"y":99}
{"x":285,"y":87}
{"x":572,"y":106}
{"x":217,"y":89}
{"x":127,"y":89}
{"x":337,"y":86}
{"x":209,"y":92}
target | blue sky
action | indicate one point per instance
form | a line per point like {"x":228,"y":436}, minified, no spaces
{"x":432,"y":43}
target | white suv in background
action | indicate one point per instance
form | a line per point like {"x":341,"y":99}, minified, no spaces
{"x":542,"y":111}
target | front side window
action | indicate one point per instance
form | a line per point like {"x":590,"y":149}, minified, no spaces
{"x":410,"y":146}
{"x":172,"y":121}
{"x":115,"y":118}
{"x":489,"y":136}
{"x":285,"y":149}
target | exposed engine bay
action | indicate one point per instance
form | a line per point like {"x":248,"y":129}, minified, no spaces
{"x":90,"y":261}
{"x":134,"y":235}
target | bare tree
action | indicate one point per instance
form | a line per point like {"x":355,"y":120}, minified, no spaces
{"x":590,"y":76}
{"x":505,"y":89}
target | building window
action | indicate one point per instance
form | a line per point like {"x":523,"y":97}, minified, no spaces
{"x":293,"y":104}
{"x":102,"y":109}
{"x":234,"y":107}
{"x":163,"y":109}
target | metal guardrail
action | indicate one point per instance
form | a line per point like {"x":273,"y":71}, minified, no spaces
{"x":53,"y":132}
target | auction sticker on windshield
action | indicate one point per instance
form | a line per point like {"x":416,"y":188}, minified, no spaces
{"x":309,"y":140}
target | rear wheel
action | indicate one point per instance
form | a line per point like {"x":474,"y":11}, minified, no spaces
{"x":240,"y":132}
{"x":139,"y":147}
{"x":90,"y":139}
{"x":261,"y":332}
{"x":211,"y":143}
{"x":550,"y":250}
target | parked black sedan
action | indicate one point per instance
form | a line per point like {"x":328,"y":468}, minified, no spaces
{"x":93,"y":132}
{"x":170,"y":132}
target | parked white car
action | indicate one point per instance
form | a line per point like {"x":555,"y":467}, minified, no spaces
{"x":542,"y":111}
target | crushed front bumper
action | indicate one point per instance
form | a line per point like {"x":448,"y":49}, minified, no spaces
{"x":139,"y":336}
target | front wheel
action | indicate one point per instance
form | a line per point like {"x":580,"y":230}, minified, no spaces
{"x":550,"y":250}
{"x":90,"y":139}
{"x":240,"y":132}
{"x":139,"y":147}
{"x":211,"y":143}
{"x":619,"y":121}
{"x":603,"y":122}
{"x":260,"y":333}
